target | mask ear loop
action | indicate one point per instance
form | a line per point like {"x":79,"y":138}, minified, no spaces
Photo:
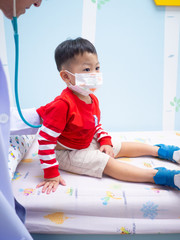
{"x":70,"y":73}
{"x":16,"y":41}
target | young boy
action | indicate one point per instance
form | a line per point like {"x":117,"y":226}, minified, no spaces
{"x":72,"y":138}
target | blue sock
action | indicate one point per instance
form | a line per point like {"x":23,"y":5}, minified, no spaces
{"x":168,"y":152}
{"x":167,"y":177}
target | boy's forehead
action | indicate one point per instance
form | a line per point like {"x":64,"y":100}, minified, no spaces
{"x":86,"y":57}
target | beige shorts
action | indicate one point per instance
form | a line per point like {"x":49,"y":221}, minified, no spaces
{"x":89,"y":161}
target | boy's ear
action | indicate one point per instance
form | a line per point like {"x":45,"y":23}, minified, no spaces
{"x":64,"y":75}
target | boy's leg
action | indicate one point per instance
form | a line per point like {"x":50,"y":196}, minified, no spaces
{"x":133,"y":149}
{"x":129,"y":173}
{"x":126,"y":172}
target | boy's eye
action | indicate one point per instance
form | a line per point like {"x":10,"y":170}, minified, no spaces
{"x":97,"y":68}
{"x":86,"y":70}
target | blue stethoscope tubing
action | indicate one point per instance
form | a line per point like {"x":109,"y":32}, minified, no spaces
{"x":16,"y":41}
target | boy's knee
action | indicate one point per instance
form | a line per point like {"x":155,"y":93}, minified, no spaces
{"x":109,"y":165}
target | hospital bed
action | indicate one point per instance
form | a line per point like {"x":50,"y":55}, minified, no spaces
{"x":104,"y":208}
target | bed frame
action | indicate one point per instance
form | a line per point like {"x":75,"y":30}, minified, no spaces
{"x":106,"y":237}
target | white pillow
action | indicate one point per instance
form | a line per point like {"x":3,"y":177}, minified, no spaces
{"x":18,"y":146}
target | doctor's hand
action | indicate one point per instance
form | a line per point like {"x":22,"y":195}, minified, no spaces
{"x":51,"y":184}
{"x":107,"y":149}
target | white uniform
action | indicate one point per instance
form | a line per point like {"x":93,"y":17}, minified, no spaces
{"x":11,"y":226}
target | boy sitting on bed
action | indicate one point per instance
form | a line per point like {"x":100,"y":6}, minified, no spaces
{"x":72,"y":138}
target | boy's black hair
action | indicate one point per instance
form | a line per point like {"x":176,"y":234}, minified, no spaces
{"x":69,"y":48}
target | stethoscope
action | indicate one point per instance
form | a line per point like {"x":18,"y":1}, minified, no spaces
{"x":16,"y":41}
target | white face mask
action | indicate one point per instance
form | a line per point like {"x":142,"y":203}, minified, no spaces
{"x":86,"y":83}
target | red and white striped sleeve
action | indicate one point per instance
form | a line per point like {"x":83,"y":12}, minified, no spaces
{"x":54,"y":117}
{"x":47,"y":139}
{"x":102,"y":136}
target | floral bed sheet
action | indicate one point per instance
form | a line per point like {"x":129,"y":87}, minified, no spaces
{"x":100,"y":206}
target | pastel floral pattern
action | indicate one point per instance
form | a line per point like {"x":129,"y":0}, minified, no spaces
{"x":18,"y":146}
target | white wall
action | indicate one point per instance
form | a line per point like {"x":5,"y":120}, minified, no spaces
{"x":138,"y":48}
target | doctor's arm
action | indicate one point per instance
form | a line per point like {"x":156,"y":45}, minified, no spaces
{"x":18,"y":127}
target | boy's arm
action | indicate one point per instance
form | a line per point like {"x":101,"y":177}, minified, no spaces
{"x":47,"y":139}
{"x":54,"y":117}
{"x":104,"y":140}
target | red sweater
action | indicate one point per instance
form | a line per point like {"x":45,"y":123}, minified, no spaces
{"x":70,"y":122}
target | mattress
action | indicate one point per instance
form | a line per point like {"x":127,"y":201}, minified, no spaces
{"x":88,"y":205}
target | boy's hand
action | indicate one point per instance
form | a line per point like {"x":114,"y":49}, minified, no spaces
{"x":51,"y":184}
{"x":107,"y":149}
